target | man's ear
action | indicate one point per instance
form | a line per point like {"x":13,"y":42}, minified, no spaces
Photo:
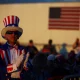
{"x":17,"y":37}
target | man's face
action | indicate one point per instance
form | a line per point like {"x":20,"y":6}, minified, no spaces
{"x":11,"y":36}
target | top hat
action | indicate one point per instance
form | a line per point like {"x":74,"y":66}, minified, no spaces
{"x":11,"y":24}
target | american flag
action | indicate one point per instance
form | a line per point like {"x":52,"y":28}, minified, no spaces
{"x":67,"y":18}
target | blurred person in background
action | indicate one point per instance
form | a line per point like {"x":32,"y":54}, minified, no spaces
{"x":51,"y":47}
{"x":31,"y":48}
{"x":76,"y":43}
{"x":76,"y":46}
{"x":63,"y":51}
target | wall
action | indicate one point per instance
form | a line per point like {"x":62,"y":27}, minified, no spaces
{"x":34,"y":21}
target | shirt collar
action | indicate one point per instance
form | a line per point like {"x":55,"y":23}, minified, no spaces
{"x":14,"y":46}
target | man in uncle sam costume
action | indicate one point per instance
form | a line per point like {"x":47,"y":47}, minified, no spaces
{"x":11,"y":53}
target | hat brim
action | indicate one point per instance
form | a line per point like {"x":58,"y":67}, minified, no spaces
{"x":4,"y":30}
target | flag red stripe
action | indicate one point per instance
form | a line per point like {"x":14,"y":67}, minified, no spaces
{"x":69,"y":14}
{"x":65,"y":17}
{"x":71,"y":23}
{"x":64,"y":25}
{"x":65,"y":28}
{"x":69,"y":10}
{"x":68,"y":21}
{"x":70,"y":17}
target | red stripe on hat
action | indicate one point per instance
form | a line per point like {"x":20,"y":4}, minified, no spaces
{"x":8,"y":19}
{"x":5,"y":22}
{"x":12,"y":19}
